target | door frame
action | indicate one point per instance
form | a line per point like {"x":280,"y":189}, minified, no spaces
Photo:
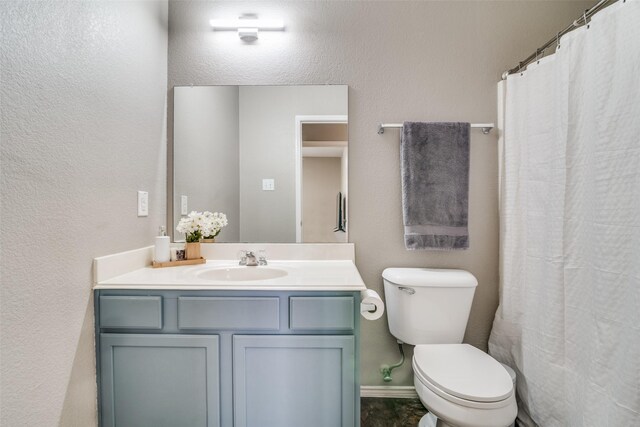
{"x":301,"y":120}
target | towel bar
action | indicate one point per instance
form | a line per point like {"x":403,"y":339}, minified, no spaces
{"x":486,"y":127}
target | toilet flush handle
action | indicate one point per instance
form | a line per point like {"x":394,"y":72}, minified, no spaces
{"x":410,"y":291}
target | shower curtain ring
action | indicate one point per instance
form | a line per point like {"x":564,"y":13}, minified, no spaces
{"x":584,"y":17}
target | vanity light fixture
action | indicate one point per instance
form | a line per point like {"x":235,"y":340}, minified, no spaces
{"x":247,"y":26}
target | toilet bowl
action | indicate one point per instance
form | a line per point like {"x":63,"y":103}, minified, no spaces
{"x":463,"y":387}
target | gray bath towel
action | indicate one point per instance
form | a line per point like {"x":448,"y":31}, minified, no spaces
{"x":435,"y":185}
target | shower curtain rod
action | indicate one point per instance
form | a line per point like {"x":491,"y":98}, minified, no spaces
{"x":577,"y":23}
{"x":486,"y":127}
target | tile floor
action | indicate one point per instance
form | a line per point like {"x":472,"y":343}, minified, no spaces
{"x":385,"y":412}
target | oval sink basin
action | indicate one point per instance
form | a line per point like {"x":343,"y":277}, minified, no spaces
{"x":241,"y":274}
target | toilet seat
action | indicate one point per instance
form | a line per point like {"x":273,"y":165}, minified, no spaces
{"x":496,"y":414}
{"x":463,"y":375}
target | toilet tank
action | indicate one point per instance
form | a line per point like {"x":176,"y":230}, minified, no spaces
{"x":428,"y":305}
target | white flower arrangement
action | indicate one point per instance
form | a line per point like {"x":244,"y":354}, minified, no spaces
{"x":197,"y":225}
{"x":214,"y":222}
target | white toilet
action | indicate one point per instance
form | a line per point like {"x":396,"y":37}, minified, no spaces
{"x":459,"y":384}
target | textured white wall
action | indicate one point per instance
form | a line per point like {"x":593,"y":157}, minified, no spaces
{"x":83,"y":88}
{"x":410,"y":60}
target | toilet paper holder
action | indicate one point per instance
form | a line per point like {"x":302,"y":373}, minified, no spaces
{"x":371,"y":305}
{"x":371,"y":308}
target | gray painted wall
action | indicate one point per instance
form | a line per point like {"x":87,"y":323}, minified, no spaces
{"x":83,"y":87}
{"x":267,"y":150}
{"x":206,"y":165}
{"x":415,"y":60}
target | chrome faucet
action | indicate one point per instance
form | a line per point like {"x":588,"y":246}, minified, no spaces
{"x":251,"y":261}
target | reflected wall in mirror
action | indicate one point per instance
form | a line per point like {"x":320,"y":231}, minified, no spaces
{"x":274,"y":159}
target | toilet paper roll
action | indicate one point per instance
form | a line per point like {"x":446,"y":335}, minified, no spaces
{"x":371,"y":305}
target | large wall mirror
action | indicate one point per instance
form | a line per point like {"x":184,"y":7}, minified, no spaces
{"x":272,"y":158}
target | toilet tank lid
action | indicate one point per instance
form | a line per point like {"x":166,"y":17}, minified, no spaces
{"x":430,"y":277}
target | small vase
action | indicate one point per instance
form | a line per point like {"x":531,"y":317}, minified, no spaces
{"x":212,"y":240}
{"x":193,"y":250}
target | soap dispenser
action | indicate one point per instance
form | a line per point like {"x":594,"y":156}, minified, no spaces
{"x":162,"y":252}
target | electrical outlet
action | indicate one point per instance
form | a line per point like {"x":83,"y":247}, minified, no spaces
{"x":184,"y":209}
{"x":268,"y":184}
{"x":143,"y":203}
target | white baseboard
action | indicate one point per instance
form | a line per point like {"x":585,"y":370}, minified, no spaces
{"x":405,"y":392}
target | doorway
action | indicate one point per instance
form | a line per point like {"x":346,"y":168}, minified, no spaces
{"x":321,"y":179}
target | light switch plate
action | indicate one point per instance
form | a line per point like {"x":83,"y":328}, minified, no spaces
{"x":184,"y":208}
{"x":143,"y":203}
{"x":268,"y":184}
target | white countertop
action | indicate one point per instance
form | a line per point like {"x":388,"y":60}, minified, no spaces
{"x":301,"y":275}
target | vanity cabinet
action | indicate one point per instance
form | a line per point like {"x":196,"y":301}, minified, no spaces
{"x":160,"y":380}
{"x":227,"y":358}
{"x":293,"y":380}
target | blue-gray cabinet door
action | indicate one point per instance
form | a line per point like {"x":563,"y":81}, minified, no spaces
{"x":294,"y":381}
{"x":159,"y":380}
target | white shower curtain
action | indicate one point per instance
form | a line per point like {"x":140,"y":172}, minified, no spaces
{"x":569,"y":314}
